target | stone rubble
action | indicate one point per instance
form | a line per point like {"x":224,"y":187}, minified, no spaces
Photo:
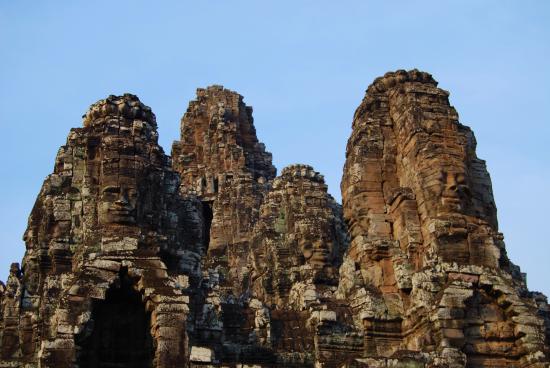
{"x":207,"y":258}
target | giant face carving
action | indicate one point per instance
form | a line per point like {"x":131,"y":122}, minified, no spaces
{"x":359,"y":214}
{"x":455,"y":193}
{"x":118,"y":204}
{"x":315,"y":242}
{"x":317,"y":253}
{"x":446,"y":189}
{"x":118,"y":196}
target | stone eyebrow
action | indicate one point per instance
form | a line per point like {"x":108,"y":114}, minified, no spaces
{"x":111,"y":188}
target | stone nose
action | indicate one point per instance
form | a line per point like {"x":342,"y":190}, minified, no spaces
{"x":319,"y":248}
{"x":452,"y":185}
{"x":122,"y":198}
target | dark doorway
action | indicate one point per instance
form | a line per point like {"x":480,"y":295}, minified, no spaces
{"x":118,"y":334}
{"x":207,"y":216}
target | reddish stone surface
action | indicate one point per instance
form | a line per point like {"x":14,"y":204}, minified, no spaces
{"x":208,"y":258}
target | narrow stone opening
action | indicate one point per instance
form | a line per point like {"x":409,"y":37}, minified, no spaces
{"x":207,"y":216}
{"x":118,"y":333}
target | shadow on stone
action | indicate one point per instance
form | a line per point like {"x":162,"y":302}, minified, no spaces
{"x":118,"y":334}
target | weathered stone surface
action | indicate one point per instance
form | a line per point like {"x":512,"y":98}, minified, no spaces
{"x":221,"y":161}
{"x":104,"y":246}
{"x":299,"y":241}
{"x":208,"y":259}
{"x":426,"y":257}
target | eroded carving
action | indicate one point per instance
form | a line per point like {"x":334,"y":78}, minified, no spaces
{"x":218,"y":262}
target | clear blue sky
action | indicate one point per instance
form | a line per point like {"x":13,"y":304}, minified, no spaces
{"x":302,"y":65}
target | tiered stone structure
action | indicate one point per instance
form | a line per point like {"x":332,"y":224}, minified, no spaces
{"x":224,"y":166}
{"x":299,"y":240}
{"x":424,"y":236}
{"x":211,"y":260}
{"x":93,"y":289}
{"x":221,"y":161}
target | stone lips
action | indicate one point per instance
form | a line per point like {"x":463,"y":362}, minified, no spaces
{"x":210,"y":259}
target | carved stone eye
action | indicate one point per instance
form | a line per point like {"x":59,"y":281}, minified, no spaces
{"x":110,"y":192}
{"x":111,"y":189}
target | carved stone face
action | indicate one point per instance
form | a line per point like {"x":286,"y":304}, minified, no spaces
{"x":118,"y":205}
{"x":317,"y":253}
{"x":31,"y":275}
{"x":359,"y":214}
{"x":455,"y":194}
{"x":321,"y":254}
{"x":118,"y":199}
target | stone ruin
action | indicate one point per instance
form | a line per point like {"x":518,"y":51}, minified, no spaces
{"x":101,"y":280}
{"x":208,"y":259}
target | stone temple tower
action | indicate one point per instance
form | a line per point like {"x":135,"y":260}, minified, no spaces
{"x":222,"y":163}
{"x":209,"y":259}
{"x":94,"y":288}
{"x":424,"y":235}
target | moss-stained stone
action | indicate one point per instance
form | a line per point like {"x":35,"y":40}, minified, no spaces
{"x":209,"y":259}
